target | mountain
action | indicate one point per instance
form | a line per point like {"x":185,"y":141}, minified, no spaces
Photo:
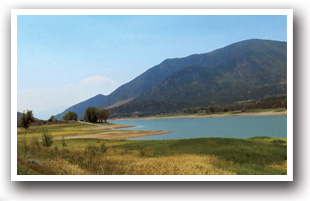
{"x":81,"y":107}
{"x":19,"y":114}
{"x":244,"y":70}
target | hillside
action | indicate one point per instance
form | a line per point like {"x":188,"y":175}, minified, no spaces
{"x":245,"y":70}
{"x":19,"y":114}
{"x":242,"y":71}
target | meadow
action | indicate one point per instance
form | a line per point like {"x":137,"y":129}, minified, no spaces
{"x":84,"y":149}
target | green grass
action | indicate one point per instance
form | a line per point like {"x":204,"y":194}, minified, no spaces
{"x":69,"y":129}
{"x":242,"y":151}
{"x":253,"y":156}
{"x":71,"y":126}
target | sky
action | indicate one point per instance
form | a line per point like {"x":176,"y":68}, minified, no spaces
{"x":65,"y":59}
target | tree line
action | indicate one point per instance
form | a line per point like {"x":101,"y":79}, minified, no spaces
{"x":93,"y":114}
{"x":268,"y":102}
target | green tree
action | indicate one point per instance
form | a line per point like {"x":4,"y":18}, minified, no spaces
{"x":26,"y":119}
{"x":106,"y":114}
{"x":103,"y":114}
{"x":69,"y":116}
{"x":90,"y":114}
{"x":52,"y":118}
{"x":211,"y":109}
{"x":284,"y":103}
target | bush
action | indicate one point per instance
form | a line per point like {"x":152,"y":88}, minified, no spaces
{"x":103,"y":148}
{"x":64,"y":144}
{"x":47,"y":138}
{"x":91,"y":150}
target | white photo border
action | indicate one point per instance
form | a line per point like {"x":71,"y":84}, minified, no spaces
{"x":287,"y":12}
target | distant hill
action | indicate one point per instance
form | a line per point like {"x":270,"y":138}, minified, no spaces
{"x":245,"y":70}
{"x":81,"y":107}
{"x":19,"y":114}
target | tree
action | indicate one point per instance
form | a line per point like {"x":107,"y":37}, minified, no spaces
{"x":211,"y":109}
{"x":26,"y":119}
{"x":103,"y":114}
{"x":69,"y":116}
{"x":90,"y":114}
{"x":284,"y":103}
{"x":52,"y":118}
{"x":106,"y":114}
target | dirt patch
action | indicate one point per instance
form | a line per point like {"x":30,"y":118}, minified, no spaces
{"x":98,"y":126}
{"x":125,"y":134}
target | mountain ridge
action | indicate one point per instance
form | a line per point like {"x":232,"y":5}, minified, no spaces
{"x":253,"y":62}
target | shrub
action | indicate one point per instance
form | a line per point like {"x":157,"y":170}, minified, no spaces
{"x":47,"y":138}
{"x":103,"y":148}
{"x":64,"y":144}
{"x":91,"y":150}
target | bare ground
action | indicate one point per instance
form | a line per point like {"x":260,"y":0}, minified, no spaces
{"x":124,"y":134}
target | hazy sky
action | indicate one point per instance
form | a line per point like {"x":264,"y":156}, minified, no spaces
{"x":64,"y":60}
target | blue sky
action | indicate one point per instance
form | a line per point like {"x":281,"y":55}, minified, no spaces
{"x":64,"y":60}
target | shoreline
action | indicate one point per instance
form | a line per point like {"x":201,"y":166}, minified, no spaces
{"x":116,"y":135}
{"x":196,"y":116}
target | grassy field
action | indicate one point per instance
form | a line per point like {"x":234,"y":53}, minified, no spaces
{"x":93,"y":155}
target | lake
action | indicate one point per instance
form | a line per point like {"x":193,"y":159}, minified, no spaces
{"x":230,"y":127}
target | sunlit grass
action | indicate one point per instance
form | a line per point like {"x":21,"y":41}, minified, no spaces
{"x":70,"y":126}
{"x":201,"y":156}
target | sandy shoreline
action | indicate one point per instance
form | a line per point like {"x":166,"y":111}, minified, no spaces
{"x":115,"y":135}
{"x":266,"y":113}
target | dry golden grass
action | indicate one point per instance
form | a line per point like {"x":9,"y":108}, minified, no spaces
{"x":173,"y":165}
{"x":63,"y":167}
{"x":53,"y":167}
{"x":280,"y":167}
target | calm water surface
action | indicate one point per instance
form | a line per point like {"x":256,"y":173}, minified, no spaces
{"x":231,"y":127}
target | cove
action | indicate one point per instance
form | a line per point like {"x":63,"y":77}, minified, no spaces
{"x":228,"y":127}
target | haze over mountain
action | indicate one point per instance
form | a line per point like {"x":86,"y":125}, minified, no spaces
{"x":249,"y":69}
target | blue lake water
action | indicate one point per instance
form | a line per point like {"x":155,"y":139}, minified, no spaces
{"x":230,"y":127}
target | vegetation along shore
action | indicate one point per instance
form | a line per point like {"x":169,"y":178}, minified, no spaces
{"x":80,"y":148}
